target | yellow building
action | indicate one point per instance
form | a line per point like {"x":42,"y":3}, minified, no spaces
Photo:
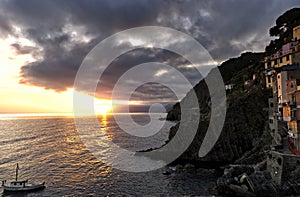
{"x":283,"y":61}
{"x":296,"y":54}
{"x":296,"y":33}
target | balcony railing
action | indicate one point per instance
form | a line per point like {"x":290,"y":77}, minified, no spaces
{"x":287,"y":118}
{"x":293,"y":118}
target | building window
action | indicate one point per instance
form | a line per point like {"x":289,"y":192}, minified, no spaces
{"x":271,"y":105}
{"x":278,"y":77}
{"x":293,"y":98}
{"x":271,"y":121}
{"x":292,"y":86}
{"x":288,"y":58}
{"x":281,"y":60}
{"x":279,"y":87}
{"x":269,"y":79}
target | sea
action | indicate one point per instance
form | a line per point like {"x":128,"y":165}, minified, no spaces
{"x":48,"y":148}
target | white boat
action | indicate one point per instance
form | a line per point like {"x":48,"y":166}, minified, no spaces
{"x":21,"y":186}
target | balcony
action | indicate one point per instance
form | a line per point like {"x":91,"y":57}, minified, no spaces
{"x":291,"y":92}
{"x":293,"y":118}
{"x":294,"y":134}
{"x":287,"y":118}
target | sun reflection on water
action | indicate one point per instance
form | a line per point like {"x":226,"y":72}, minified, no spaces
{"x":103,"y":122}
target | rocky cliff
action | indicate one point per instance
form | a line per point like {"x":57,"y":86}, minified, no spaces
{"x":245,"y":118}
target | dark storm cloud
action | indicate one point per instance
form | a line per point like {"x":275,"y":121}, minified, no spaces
{"x":227,"y":28}
{"x":44,"y":23}
{"x":5,"y":27}
{"x":58,"y":68}
{"x":139,"y":56}
{"x":65,"y":31}
{"x":21,"y":50}
{"x":154,"y":92}
{"x":51,"y":15}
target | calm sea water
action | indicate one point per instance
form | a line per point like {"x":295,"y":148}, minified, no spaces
{"x":49,"y":149}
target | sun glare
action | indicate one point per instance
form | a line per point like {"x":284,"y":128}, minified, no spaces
{"x":102,"y":107}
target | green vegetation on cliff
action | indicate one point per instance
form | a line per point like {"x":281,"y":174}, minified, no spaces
{"x":245,"y":118}
{"x":283,"y":29}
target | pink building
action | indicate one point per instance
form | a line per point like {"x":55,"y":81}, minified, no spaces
{"x":286,"y":49}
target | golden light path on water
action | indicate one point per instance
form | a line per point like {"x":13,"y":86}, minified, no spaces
{"x":48,"y":148}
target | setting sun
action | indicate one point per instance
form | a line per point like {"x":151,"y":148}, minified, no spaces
{"x":102,"y":107}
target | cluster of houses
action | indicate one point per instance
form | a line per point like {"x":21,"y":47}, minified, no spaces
{"x":282,"y":71}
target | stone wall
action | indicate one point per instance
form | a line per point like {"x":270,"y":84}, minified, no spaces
{"x":281,"y":166}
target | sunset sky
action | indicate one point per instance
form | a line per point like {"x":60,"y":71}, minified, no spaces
{"x":42,"y":43}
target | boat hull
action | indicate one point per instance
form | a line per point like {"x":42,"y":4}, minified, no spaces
{"x":32,"y":187}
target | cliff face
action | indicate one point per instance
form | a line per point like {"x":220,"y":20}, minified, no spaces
{"x":229,"y":71}
{"x":245,"y":118}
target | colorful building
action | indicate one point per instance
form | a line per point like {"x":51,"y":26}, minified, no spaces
{"x":282,"y":71}
{"x":282,"y":87}
{"x":296,"y":33}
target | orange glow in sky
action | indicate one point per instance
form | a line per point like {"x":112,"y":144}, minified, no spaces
{"x":20,"y":98}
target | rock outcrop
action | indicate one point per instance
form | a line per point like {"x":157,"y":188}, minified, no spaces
{"x":277,"y":175}
{"x":246,"y":180}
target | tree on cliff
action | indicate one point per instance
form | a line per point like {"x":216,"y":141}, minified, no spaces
{"x":283,"y":29}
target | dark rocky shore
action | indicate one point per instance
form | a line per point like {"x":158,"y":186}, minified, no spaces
{"x":243,"y":148}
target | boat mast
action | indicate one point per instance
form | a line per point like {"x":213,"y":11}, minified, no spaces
{"x":17,"y":169}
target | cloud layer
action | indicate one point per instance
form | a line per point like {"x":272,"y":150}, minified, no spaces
{"x":63,"y":32}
